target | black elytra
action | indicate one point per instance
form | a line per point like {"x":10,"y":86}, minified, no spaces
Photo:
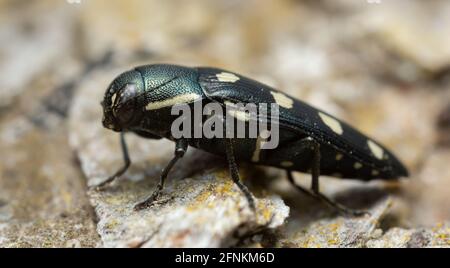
{"x":310,"y":140}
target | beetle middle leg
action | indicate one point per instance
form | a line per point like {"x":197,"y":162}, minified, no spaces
{"x":315,"y":192}
{"x":234,"y":172}
{"x":181,"y":146}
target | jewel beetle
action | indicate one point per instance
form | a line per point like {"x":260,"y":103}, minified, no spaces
{"x":310,"y":140}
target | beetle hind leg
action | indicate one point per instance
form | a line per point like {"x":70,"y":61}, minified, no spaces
{"x":317,"y":195}
{"x":180,"y":149}
{"x":315,"y":192}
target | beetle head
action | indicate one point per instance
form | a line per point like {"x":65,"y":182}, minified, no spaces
{"x":120,"y":104}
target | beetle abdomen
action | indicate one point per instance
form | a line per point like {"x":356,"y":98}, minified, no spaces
{"x":344,"y":150}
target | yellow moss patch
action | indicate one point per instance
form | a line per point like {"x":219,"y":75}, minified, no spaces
{"x":222,"y":189}
{"x":264,"y":211}
{"x":111,"y":225}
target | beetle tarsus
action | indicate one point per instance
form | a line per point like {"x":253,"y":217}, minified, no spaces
{"x":317,"y":195}
{"x":341,"y":208}
{"x":126,"y":159}
{"x":180,"y":149}
{"x":234,"y":172}
{"x":150,"y":200}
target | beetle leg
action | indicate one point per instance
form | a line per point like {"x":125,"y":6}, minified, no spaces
{"x":317,"y":195}
{"x":181,"y":146}
{"x":315,"y":192}
{"x":123,"y":169}
{"x":234,"y":172}
{"x":315,"y":173}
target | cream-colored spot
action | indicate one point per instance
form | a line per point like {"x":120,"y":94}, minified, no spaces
{"x":259,"y":141}
{"x":357,"y":165}
{"x":227,"y":77}
{"x":234,"y":112}
{"x":339,"y":157}
{"x":282,"y":100}
{"x":184,"y":98}
{"x":331,"y":123}
{"x":113,"y":99}
{"x":375,"y":172}
{"x":286,"y":164}
{"x":240,"y":115}
{"x":376,"y":149}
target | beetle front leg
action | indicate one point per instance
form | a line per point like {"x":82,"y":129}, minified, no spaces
{"x":123,"y":169}
{"x":181,"y":146}
{"x":234,"y":172}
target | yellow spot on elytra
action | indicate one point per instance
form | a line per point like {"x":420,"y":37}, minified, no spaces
{"x":184,"y":98}
{"x":357,"y":165}
{"x":331,"y":123}
{"x":282,"y":100}
{"x":234,"y":112}
{"x":375,"y":172}
{"x":286,"y":164}
{"x":227,"y":77}
{"x":376,"y":149}
{"x":262,"y":137}
{"x":239,"y":115}
{"x":339,"y":157}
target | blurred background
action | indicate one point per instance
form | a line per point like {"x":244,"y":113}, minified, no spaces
{"x":381,"y":65}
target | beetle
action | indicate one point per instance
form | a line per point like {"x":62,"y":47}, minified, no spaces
{"x":311,"y":140}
